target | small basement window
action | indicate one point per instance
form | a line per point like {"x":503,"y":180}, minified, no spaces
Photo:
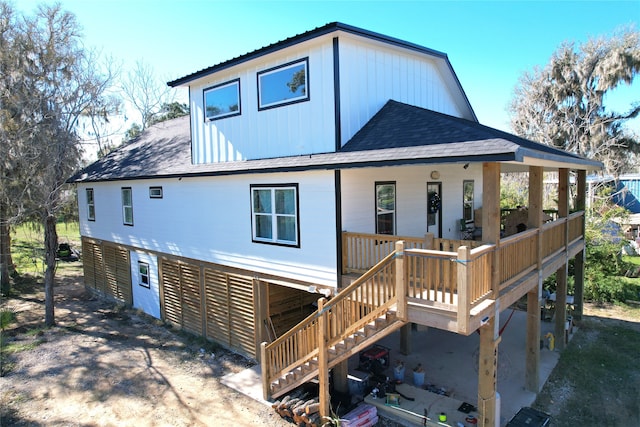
{"x":222,"y":100}
{"x":155,"y":192}
{"x":143,"y":274}
{"x":285,"y":84}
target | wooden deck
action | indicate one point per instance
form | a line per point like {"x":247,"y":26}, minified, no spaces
{"x":446,"y":284}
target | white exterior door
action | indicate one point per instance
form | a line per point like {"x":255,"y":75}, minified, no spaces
{"x":144,"y":283}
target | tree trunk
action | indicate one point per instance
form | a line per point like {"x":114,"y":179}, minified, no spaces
{"x":6,"y":261}
{"x":51,"y":247}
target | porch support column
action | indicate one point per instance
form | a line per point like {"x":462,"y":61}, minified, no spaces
{"x":534,"y":296}
{"x":561,"y":273}
{"x":578,"y":265}
{"x":405,"y":339}
{"x":340,"y":373}
{"x":489,"y":332}
{"x":323,"y":362}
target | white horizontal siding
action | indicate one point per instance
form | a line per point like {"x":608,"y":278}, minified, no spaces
{"x":358,"y":197}
{"x":209,"y":219}
{"x":372,"y":73}
{"x":294,"y":129}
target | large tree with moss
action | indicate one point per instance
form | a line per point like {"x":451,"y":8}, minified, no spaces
{"x":564,"y":103}
{"x":48,"y":82}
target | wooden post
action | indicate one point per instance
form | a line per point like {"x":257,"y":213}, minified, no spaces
{"x":561,"y":273}
{"x":405,"y":339}
{"x":532,"y":370}
{"x":489,"y":336}
{"x":428,"y":241}
{"x":491,"y":217}
{"x":266,"y":389}
{"x":487,"y":373}
{"x":340,"y":373}
{"x":345,"y":253}
{"x":323,"y":361}
{"x":401,"y":283}
{"x":464,"y":283}
{"x":261,"y":307}
{"x":578,"y":265}
{"x":532,"y":358}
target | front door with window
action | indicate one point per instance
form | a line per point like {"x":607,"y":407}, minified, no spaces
{"x":434,"y":208}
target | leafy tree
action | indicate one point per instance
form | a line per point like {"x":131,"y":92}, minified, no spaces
{"x":603,"y":244}
{"x":49,"y":81}
{"x":298,"y":81}
{"x":173,"y":110}
{"x":563,"y":104}
{"x":133,"y":132}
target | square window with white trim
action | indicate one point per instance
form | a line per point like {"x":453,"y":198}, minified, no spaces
{"x":274,"y":214}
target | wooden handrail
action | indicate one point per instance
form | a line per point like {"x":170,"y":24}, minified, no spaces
{"x":354,"y":307}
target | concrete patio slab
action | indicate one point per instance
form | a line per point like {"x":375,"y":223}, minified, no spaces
{"x":450,"y":362}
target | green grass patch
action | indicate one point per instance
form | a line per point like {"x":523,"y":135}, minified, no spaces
{"x":27,"y":246}
{"x":600,"y":368}
{"x":635,"y":260}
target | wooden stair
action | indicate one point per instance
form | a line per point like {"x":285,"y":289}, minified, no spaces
{"x":347,"y":347}
{"x":358,"y":316}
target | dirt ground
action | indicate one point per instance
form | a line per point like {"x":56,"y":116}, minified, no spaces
{"x":105,"y":366}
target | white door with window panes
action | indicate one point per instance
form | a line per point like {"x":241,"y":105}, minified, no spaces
{"x":385,"y":208}
{"x":144,"y":283}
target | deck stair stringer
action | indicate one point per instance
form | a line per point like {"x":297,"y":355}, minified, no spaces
{"x":341,"y":351}
{"x":358,"y":316}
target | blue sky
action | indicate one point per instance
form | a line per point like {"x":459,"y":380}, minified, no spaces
{"x":489,"y":43}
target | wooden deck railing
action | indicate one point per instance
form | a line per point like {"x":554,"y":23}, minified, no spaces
{"x":363,"y":301}
{"x":576,"y":226}
{"x":361,"y":251}
{"x":432,"y":265}
{"x":453,"y":277}
{"x":553,"y":237}
{"x":518,"y":256}
{"x":431,"y":275}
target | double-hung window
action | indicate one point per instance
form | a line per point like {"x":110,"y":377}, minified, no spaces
{"x":467,"y":201}
{"x":222,"y":100}
{"x":127,"y":206}
{"x":274,"y":213}
{"x":385,"y":208}
{"x":143,"y":274}
{"x":91,"y":205}
{"x":284,"y":84}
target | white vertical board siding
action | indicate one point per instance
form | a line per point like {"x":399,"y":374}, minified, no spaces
{"x":209,"y":219}
{"x":358,"y":197}
{"x":146,"y":299}
{"x":371,"y":74}
{"x":293,"y":129}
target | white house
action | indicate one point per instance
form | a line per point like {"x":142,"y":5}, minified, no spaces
{"x":301,"y":166}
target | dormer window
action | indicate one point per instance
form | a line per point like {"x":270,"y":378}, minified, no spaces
{"x":285,"y":84}
{"x":222,"y":100}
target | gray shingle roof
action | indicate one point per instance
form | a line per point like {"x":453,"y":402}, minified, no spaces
{"x":399,"y":134}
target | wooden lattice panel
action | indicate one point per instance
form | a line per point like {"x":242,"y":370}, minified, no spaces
{"x":170,"y":273}
{"x":230,"y":314}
